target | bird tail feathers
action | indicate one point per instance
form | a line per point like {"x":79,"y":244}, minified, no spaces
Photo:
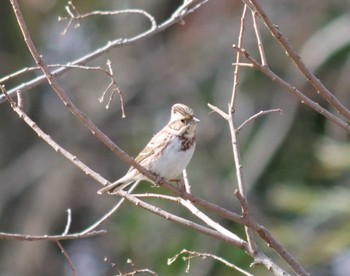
{"x":114,"y":187}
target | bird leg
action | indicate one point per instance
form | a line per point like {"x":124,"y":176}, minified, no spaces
{"x":159,"y":181}
{"x":180,"y":185}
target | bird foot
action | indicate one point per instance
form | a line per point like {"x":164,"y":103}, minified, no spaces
{"x":159,"y":181}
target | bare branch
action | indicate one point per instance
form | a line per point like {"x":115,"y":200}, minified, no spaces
{"x":74,"y":15}
{"x":238,"y":57}
{"x":136,"y":270}
{"x":293,"y":55}
{"x":69,"y":221}
{"x":243,"y":64}
{"x":187,"y":6}
{"x":74,"y":236}
{"x":304,"y":99}
{"x":255,"y":116}
{"x":194,"y":210}
{"x":219,"y":111}
{"x":112,"y":211}
{"x":72,"y":158}
{"x":194,"y":254}
{"x":240,"y":177}
{"x":259,"y":40}
{"x":234,"y":141}
{"x":107,"y":47}
{"x":108,"y":72}
{"x":184,"y":222}
{"x":70,"y":263}
{"x":187,"y":184}
{"x":158,"y":196}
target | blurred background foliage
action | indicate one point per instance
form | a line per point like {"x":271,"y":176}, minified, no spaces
{"x":296,"y":164}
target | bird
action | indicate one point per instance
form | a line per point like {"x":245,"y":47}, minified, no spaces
{"x":167,"y":154}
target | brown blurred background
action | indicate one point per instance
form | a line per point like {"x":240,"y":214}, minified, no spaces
{"x":296,"y":164}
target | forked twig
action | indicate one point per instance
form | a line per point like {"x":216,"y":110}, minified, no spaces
{"x":109,"y":72}
{"x":74,"y":15}
{"x":304,"y":99}
{"x":112,"y":211}
{"x":107,"y":47}
{"x":194,"y":210}
{"x":194,"y":254}
{"x":319,"y":87}
{"x":234,"y":138}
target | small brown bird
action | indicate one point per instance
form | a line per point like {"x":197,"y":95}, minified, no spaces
{"x":168,"y":153}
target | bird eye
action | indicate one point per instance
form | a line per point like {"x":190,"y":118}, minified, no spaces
{"x":182,"y":121}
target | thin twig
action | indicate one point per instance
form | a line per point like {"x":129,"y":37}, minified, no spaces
{"x":187,"y":184}
{"x":75,"y":16}
{"x":194,"y":254}
{"x":108,"y":72}
{"x":158,"y":196}
{"x":69,"y":221}
{"x":115,"y":89}
{"x":304,"y":99}
{"x":70,"y":263}
{"x":242,"y":64}
{"x":182,"y":10}
{"x":102,"y":50}
{"x":136,"y":270}
{"x":19,"y":100}
{"x":293,"y":55}
{"x":270,"y":241}
{"x":240,"y":178}
{"x":255,"y":116}
{"x":220,"y":229}
{"x":47,"y":138}
{"x":219,"y":111}
{"x":234,"y":138}
{"x":238,"y":57}
{"x":259,"y":40}
{"x":245,"y":210}
{"x":74,"y":236}
{"x":199,"y":214}
{"x":112,"y":211}
{"x":184,"y":222}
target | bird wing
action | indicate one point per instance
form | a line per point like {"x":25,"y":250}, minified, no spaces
{"x":155,"y":145}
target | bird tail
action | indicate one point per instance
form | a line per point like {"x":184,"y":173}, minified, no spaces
{"x":114,"y":187}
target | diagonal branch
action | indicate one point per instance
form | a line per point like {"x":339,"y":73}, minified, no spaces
{"x":291,"y":53}
{"x":70,"y":263}
{"x":252,"y":118}
{"x":304,"y":99}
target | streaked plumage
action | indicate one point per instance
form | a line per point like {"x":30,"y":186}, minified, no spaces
{"x":169,"y":151}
